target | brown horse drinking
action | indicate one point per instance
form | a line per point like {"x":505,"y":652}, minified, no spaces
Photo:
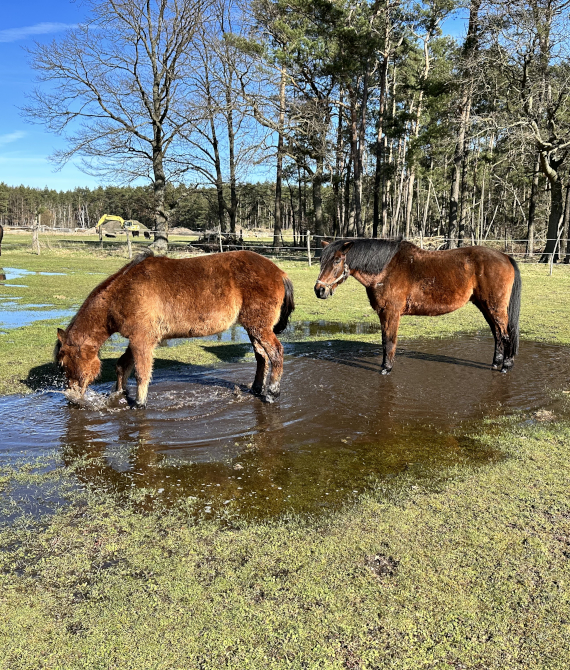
{"x":155,"y":298}
{"x":400,"y":278}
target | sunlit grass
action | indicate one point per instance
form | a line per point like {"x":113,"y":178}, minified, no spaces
{"x":472,"y":572}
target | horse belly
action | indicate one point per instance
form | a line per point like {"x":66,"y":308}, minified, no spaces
{"x":202,"y":322}
{"x":429,"y":299}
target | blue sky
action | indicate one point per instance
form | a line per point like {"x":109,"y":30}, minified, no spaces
{"x":25,"y":148}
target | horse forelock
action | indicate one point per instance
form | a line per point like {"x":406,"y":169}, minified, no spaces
{"x":366,"y":255}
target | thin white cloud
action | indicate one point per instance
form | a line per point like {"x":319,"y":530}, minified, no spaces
{"x":11,"y":137}
{"x":15,"y":34}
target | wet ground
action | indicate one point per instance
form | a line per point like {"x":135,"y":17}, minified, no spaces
{"x":339,"y":426}
{"x":15,"y":315}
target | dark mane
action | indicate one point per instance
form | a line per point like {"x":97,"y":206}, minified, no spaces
{"x":365,"y":254}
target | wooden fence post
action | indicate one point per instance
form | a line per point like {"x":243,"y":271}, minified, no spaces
{"x":35,"y":239}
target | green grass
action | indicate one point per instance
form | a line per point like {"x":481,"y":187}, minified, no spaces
{"x":470,"y":571}
{"x":474,"y":574}
{"x":26,"y":353}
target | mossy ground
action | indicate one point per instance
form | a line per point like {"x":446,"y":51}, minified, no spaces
{"x":470,"y":572}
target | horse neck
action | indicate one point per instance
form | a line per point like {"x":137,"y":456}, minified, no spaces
{"x":366,"y":279}
{"x":90,"y":325}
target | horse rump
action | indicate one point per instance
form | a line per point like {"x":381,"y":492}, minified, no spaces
{"x":287,"y":306}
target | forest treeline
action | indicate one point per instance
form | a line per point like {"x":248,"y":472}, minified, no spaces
{"x":363,"y":117}
{"x":192,"y":208}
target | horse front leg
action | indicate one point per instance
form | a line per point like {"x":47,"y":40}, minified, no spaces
{"x":389,"y":321}
{"x":124,"y":368}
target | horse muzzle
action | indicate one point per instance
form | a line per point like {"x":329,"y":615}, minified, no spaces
{"x":322,"y":292}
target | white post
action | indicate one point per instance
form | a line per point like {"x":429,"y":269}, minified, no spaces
{"x":309,"y":246}
{"x":220,"y":237}
{"x":129,"y":244}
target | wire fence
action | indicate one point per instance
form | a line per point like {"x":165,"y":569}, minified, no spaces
{"x":307,"y":246}
{"x":310,"y":247}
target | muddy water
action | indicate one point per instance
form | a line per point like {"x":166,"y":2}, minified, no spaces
{"x":338,"y":427}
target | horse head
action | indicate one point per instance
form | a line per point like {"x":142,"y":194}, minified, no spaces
{"x":80,"y":362}
{"x":334,"y":270}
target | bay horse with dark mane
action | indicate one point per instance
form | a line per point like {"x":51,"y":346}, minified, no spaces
{"x":400,"y":278}
{"x":156,"y":298}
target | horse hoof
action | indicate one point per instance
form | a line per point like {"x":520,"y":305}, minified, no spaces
{"x":268,"y":398}
{"x":385,"y":371}
{"x":139,"y":405}
{"x":256,"y":390}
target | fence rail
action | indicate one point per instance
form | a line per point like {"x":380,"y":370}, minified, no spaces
{"x":309,"y":248}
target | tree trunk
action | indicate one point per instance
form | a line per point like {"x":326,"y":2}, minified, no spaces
{"x":232,"y":210}
{"x":277,"y":224}
{"x":550,"y":167}
{"x":532,"y":208}
{"x":337,"y":221}
{"x":318,"y":196}
{"x":379,"y":145}
{"x":469,"y":48}
{"x":160,"y":217}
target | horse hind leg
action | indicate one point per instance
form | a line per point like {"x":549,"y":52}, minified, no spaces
{"x":503,"y":359}
{"x":274,"y":350}
{"x":262,"y":366}
{"x":143,"y":358}
{"x":499,"y":353}
{"x":124,"y":368}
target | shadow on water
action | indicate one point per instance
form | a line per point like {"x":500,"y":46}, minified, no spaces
{"x":338,"y":427}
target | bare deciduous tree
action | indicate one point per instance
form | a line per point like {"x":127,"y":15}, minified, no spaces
{"x":116,"y":91}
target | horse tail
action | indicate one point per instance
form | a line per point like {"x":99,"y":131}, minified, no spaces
{"x":514,"y":309}
{"x":287,"y":306}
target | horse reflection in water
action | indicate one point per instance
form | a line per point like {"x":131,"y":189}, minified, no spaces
{"x":400,"y":278}
{"x":155,"y":299}
{"x":139,"y":459}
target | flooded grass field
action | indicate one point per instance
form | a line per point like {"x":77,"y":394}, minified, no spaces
{"x":338,"y":428}
{"x":419,"y":520}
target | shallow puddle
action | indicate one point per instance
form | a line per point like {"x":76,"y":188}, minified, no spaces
{"x":338,"y":427}
{"x":15,"y":315}
{"x":8,"y":274}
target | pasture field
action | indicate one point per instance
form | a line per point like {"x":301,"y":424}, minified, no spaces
{"x":469,"y":569}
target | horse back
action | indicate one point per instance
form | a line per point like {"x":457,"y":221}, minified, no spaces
{"x":432,"y":283}
{"x":197,"y":296}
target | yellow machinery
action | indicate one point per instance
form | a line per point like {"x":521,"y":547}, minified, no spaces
{"x":111,"y":225}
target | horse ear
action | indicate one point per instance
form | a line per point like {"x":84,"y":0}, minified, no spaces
{"x":61,"y":335}
{"x":324,"y":243}
{"x":346,"y":246}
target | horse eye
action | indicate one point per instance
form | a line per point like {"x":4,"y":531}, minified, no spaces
{"x":337,"y":261}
